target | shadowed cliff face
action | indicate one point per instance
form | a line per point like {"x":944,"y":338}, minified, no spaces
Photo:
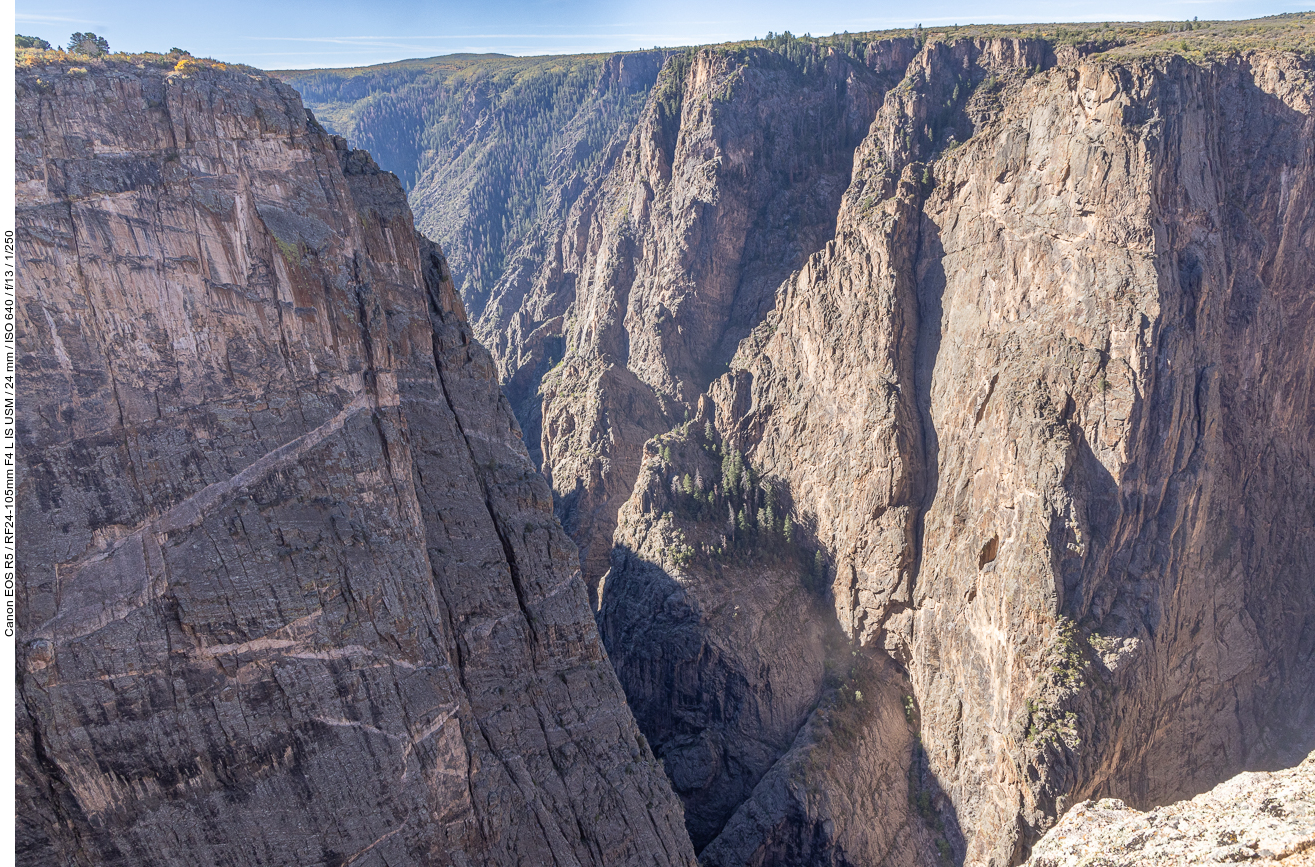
{"x":291,"y":590}
{"x":1019,"y":339}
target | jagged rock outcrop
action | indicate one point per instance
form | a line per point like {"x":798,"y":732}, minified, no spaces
{"x":291,"y":591}
{"x":1257,"y":818}
{"x":730,"y":180}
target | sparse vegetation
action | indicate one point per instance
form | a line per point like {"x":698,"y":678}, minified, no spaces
{"x":711,"y":508}
{"x":747,"y":516}
{"x":291,"y":251}
{"x":1050,"y":720}
{"x":921,"y":799}
{"x":36,"y":57}
{"x":1294,"y":32}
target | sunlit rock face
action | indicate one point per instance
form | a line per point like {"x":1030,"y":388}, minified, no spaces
{"x":1255,"y":818}
{"x":291,"y":590}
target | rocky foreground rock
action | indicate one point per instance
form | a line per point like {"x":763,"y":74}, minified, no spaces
{"x":291,"y":591}
{"x":1254,"y":818}
{"x":1015,"y":328}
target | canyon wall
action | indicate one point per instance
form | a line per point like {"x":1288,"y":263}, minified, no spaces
{"x":730,"y":180}
{"x":1063,"y":508}
{"x":926,"y":419}
{"x":1014,"y":328}
{"x":291,"y":589}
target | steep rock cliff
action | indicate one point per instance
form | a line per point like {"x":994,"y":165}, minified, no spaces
{"x":291,"y":591}
{"x":1019,"y":340}
{"x":730,"y":180}
{"x":494,"y":150}
{"x":1066,"y":548}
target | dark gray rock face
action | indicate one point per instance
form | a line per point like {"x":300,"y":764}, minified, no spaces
{"x":292,"y":592}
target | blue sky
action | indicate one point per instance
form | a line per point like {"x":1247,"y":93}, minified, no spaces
{"x":298,"y":34}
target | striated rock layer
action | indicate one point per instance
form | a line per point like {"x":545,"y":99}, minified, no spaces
{"x":1018,"y":335}
{"x":291,"y":591}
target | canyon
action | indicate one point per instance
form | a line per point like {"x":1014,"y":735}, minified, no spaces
{"x":840,"y":451}
{"x":1013,"y":326}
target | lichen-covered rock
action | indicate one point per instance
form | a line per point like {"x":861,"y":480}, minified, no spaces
{"x":291,"y":591}
{"x":1254,"y":818}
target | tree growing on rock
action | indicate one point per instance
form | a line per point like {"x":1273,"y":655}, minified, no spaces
{"x":89,"y":44}
{"x":21,"y":41}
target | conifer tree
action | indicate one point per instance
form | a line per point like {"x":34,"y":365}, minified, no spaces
{"x":89,"y":44}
